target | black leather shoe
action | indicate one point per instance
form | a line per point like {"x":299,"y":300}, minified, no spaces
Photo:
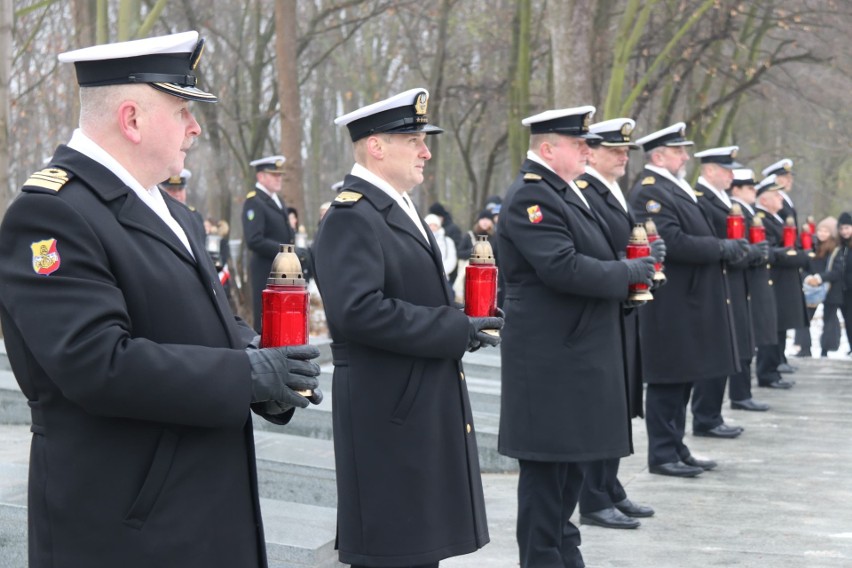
{"x":779,"y":384}
{"x":786,"y":368}
{"x":705,"y":465}
{"x":631,"y":509}
{"x":610,"y":518}
{"x":676,"y":469}
{"x":720,"y":431}
{"x":804,"y":353}
{"x":749,"y":404}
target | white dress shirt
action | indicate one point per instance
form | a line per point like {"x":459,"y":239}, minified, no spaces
{"x":150,"y":197}
{"x":720,"y":194}
{"x":401,"y":198}
{"x":681,"y":183}
{"x":613,"y":187}
{"x":532,"y":156}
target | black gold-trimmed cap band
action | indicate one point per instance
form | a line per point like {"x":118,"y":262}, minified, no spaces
{"x":398,"y":120}
{"x":167,"y":63}
{"x":400,"y":114}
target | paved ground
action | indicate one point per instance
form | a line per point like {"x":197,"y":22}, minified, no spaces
{"x":781,"y":497}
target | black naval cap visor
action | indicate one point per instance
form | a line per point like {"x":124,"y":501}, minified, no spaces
{"x":399,"y":120}
{"x":172,"y":73}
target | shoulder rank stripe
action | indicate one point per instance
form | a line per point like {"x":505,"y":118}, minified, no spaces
{"x":648,"y":180}
{"x":581,"y":183}
{"x":347,"y":197}
{"x":251,"y":194}
{"x":50,"y":178}
{"x":531,"y":177}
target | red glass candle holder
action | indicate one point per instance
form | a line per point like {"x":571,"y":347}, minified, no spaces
{"x":285,"y":304}
{"x":736,"y":222}
{"x":789,"y":234}
{"x":637,"y":247}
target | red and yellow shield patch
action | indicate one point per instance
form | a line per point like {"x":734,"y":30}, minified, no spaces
{"x":45,"y":257}
{"x":535,"y":214}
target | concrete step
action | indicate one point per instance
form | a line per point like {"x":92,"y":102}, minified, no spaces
{"x":295,"y":468}
{"x":13,"y":404}
{"x":298,"y":535}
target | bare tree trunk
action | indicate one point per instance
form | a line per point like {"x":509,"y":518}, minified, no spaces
{"x":436,"y":91}
{"x":571,"y":24}
{"x":519,"y":86}
{"x":5,"y":75}
{"x":289,"y":101}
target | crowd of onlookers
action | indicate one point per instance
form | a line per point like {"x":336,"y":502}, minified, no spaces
{"x":828,"y":282}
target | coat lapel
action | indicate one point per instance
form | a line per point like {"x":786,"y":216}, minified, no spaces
{"x":393,"y":212}
{"x":134,"y":213}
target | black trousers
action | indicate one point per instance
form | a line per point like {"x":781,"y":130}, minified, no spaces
{"x":547,"y":495}
{"x":707,"y":398}
{"x":768,"y":359}
{"x":665,"y":419}
{"x":846,"y":310}
{"x":803,"y":334}
{"x":739,"y":386}
{"x":601,"y":488}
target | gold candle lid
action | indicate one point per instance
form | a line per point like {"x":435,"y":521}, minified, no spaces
{"x":638,"y":236}
{"x":286,"y":268}
{"x":650,"y":227}
{"x":757,"y":222}
{"x":736,"y":210}
{"x":482,"y":251}
{"x":791,"y":222}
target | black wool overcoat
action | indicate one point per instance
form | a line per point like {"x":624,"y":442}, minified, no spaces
{"x":764,"y":314}
{"x":734,"y":272}
{"x":408,"y":479}
{"x":564,"y":392}
{"x":265,"y":228}
{"x":787,"y":264}
{"x":620,"y":223}
{"x":687,"y":330}
{"x":133,"y":364}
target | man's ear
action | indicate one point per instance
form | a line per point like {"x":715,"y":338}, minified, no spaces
{"x":128,"y":121}
{"x":545,"y":150}
{"x":376,"y":147}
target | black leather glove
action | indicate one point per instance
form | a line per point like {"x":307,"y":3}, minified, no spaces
{"x":640,"y":270}
{"x":478,"y":337}
{"x":733,"y":250}
{"x":277,"y":372}
{"x":658,"y":250}
{"x":763,"y":247}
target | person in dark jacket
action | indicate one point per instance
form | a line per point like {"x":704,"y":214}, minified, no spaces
{"x":138,"y":375}
{"x":564,"y":386}
{"x":821,"y":263}
{"x":717,"y":165}
{"x":603,"y":500}
{"x":761,"y":305}
{"x":783,"y":172}
{"x":408,"y":482}
{"x":266,"y":226}
{"x":839,"y":276}
{"x":687,"y":331}
{"x":787,"y":265}
{"x":454,"y":232}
